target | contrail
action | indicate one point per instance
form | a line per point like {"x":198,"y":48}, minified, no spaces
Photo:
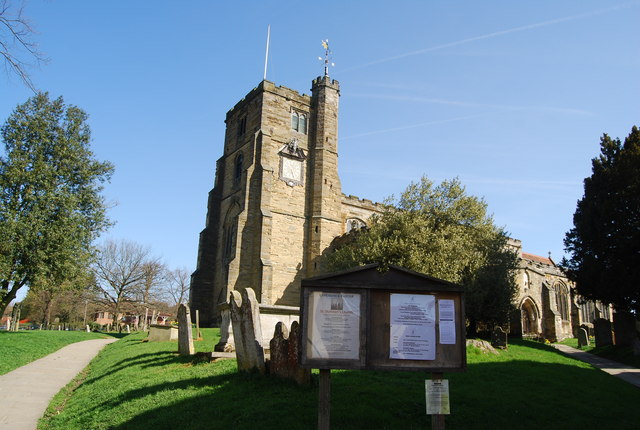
{"x":494,"y":34}
{"x":418,"y":99}
{"x":406,"y":127}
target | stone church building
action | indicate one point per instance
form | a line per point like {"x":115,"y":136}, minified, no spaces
{"x":277,"y":205}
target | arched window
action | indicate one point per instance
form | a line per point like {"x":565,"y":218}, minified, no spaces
{"x":302,"y":126}
{"x":237,"y":169}
{"x":299,"y":122}
{"x":562,"y":301}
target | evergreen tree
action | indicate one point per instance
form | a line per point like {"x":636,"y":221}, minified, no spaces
{"x":51,"y":207}
{"x":604,"y":243}
{"x":442,"y":232}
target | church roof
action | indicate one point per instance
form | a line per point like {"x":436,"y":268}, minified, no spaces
{"x":537,"y":259}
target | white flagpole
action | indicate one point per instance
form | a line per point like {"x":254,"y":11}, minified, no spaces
{"x":266,"y":55}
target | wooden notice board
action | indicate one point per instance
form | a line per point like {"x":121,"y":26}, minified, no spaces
{"x":394,"y":320}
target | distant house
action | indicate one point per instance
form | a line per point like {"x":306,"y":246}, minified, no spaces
{"x":105,"y":318}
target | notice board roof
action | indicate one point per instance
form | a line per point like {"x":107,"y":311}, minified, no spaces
{"x":371,"y":277}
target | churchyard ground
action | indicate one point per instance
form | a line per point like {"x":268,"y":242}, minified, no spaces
{"x":135,"y":384}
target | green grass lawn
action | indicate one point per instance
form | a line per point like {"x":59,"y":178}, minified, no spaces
{"x":611,"y":352}
{"x":134,"y":384}
{"x":18,"y":348}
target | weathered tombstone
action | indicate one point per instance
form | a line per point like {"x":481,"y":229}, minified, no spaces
{"x":185,"y":336}
{"x":624,"y":328}
{"x":162,"y":333}
{"x":499,"y":338}
{"x":583,"y":338}
{"x":198,"y":334}
{"x":88,"y":329}
{"x":128,"y":329}
{"x":226,"y":343}
{"x":602,"y":329}
{"x":245,"y":321}
{"x":284,"y":349}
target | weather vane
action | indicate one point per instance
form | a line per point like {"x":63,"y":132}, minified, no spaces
{"x":327,"y":57}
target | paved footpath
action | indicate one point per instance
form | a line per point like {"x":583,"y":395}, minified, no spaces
{"x":622,"y":371}
{"x":27,"y":391}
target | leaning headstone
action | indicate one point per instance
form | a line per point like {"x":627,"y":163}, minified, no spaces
{"x":602,"y":331}
{"x":284,"y":349}
{"x":583,"y":338}
{"x":499,"y":338}
{"x":185,"y":336}
{"x":624,"y":328}
{"x":247,"y":333}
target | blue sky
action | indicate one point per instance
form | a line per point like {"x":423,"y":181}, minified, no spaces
{"x":511,"y":97}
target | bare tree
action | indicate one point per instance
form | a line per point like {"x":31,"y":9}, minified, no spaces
{"x":178,"y":285}
{"x":16,"y":43}
{"x":119,"y":271}
{"x":154,"y":276}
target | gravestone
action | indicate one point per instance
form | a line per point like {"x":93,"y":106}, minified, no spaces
{"x":284,"y":349}
{"x":247,"y":333}
{"x":226,"y":332}
{"x":185,"y":336}
{"x":583,"y":338}
{"x":88,"y":328}
{"x":624,"y":328}
{"x":499,"y":338}
{"x":602,"y":329}
{"x":162,"y":333}
{"x":128,"y":329}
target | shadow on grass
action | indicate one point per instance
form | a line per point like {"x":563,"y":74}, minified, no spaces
{"x":513,"y":394}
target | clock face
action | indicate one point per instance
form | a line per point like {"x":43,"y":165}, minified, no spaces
{"x":291,"y":170}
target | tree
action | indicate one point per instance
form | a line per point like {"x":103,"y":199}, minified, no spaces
{"x":51,"y":207}
{"x":604,"y":244}
{"x":16,"y":44}
{"x":442,"y":232}
{"x":120,"y":270}
{"x":154,"y":277}
{"x":178,"y":285}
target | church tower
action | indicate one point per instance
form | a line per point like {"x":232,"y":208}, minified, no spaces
{"x":276,"y":203}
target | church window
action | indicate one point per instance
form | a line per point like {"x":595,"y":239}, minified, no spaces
{"x":237,"y":169}
{"x":302,"y":126}
{"x":299,"y":122}
{"x":562,"y":301}
{"x":242,"y":126}
{"x":229,"y":240}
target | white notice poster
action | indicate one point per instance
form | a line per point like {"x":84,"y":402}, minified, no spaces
{"x":334,"y":326}
{"x":447,"y":320}
{"x":413,"y":327}
{"x":437,"y":392}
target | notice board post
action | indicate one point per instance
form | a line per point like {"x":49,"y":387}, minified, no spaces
{"x":365,"y":319}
